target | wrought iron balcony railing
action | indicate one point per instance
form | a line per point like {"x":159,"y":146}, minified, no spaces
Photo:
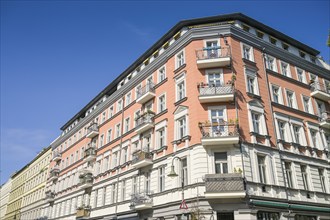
{"x":212,"y":130}
{"x":145,"y":119}
{"x":140,"y":156}
{"x":149,"y":87}
{"x":141,"y":198}
{"x":317,"y":86}
{"x":208,"y":90}
{"x":213,"y":53}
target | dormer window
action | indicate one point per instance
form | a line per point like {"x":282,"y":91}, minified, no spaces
{"x":246,"y":28}
{"x":272,"y":40}
{"x":260,"y":34}
{"x":285,"y":46}
{"x":302,"y":54}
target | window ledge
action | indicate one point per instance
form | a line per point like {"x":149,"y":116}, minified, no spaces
{"x":249,"y":62}
{"x":181,"y":101}
{"x":288,"y":78}
{"x":260,"y":135}
{"x":161,"y":83}
{"x":159,"y":150}
{"x":252,"y":95}
{"x":161,"y":113}
{"x":179,"y":68}
{"x":295,"y":110}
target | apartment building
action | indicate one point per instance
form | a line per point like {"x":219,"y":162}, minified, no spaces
{"x":27,"y":193}
{"x":4,"y":197}
{"x":222,"y":118}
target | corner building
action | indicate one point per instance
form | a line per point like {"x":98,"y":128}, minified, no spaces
{"x":239,"y":109}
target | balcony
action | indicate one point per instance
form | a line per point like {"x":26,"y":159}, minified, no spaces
{"x":141,"y":201}
{"x":85,"y":180}
{"x":215,"y":94}
{"x":146,"y":93}
{"x":50,"y":196}
{"x":90,"y":153}
{"x":213,"y":57}
{"x":54,"y":173}
{"x":224,"y":186}
{"x":83,"y":212}
{"x":219,"y":133}
{"x":142,"y":159}
{"x":57,"y":156}
{"x":92,"y":130}
{"x":320,"y":91}
{"x":325,"y":120}
{"x":144,"y":122}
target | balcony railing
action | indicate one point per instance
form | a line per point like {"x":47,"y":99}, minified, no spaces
{"x":226,"y":185}
{"x":219,"y":133}
{"x":56,"y":156}
{"x":54,"y":173}
{"x":85,"y":180}
{"x":212,"y":93}
{"x":320,"y":91}
{"x":144,"y":122}
{"x":83,"y":211}
{"x":146,"y":93}
{"x":50,"y":196}
{"x":142,"y":200}
{"x":92,"y":130}
{"x":149,"y":87}
{"x":90,"y":152}
{"x":141,"y":159}
{"x":325,"y":120}
{"x":213,"y":57}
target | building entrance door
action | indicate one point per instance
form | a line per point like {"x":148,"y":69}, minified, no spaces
{"x":225,"y":215}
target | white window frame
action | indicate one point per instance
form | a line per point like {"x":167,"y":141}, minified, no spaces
{"x":111,"y":111}
{"x":183,"y":113}
{"x":258,"y":110}
{"x":294,"y":100}
{"x":177,"y":65}
{"x":159,"y":73}
{"x":310,"y":106}
{"x":118,"y":130}
{"x":280,"y":96}
{"x":159,"y":103}
{"x":127,"y":126}
{"x":128,"y":100}
{"x":251,"y":54}
{"x":214,"y":71}
{"x":274,"y":66}
{"x":288,"y":74}
{"x":251,"y":73}
{"x":303,"y":75}
{"x":180,"y":79}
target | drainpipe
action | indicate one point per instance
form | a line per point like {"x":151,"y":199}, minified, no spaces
{"x":120,"y":149}
{"x":272,"y":116}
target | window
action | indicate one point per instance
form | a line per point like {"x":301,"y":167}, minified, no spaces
{"x":256,"y":122}
{"x":138,"y":90}
{"x":247,"y":52}
{"x":322,"y":180}
{"x":260,"y":34}
{"x":261,"y":215}
{"x":128,"y":98}
{"x":306,"y":103}
{"x":281,"y":129}
{"x":82,"y":152}
{"x":146,"y":143}
{"x":119,"y":105}
{"x":302,"y":54}
{"x":288,"y":174}
{"x":109,"y":135}
{"x":262,"y":169}
{"x":314,"y":137}
{"x":221,"y":164}
{"x":290,"y":99}
{"x":245,"y":28}
{"x":134,"y":184}
{"x":304,"y":176}
{"x":296,"y":132}
{"x":161,"y":137}
{"x":118,"y":130}
{"x":272,"y":40}
{"x":95,"y":198}
{"x":123,"y":190}
{"x":161,"y":103}
{"x":104,"y":195}
{"x":182,"y":127}
{"x":161,"y":74}
{"x":110,"y":111}
{"x":271,"y":63}
{"x":101,"y":140}
{"x":113,"y":194}
{"x":285,"y":69}
{"x":125,"y":150}
{"x":285,"y":46}
{"x":127,"y":121}
{"x":276,"y":94}
{"x":103,"y":117}
{"x":215,"y":77}
{"x":181,"y":93}
{"x":161,"y":179}
{"x":106,"y":164}
{"x":301,"y":75}
{"x":251,"y":81}
{"x":147,"y":181}
{"x":98,"y":167}
{"x":114,"y":159}
{"x":180,"y":59}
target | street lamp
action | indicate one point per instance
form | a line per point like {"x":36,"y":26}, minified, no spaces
{"x":174,"y":174}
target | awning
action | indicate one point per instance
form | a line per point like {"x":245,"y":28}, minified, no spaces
{"x":269,"y":203}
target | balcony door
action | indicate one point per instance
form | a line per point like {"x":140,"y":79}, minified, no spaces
{"x":215,"y":78}
{"x":212,"y":48}
{"x":218,"y":117}
{"x":320,"y":108}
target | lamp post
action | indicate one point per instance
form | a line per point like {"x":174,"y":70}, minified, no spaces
{"x":174,"y":174}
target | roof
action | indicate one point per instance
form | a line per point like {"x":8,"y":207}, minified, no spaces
{"x":219,"y":18}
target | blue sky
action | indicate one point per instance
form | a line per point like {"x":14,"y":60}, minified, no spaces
{"x":57,"y":55}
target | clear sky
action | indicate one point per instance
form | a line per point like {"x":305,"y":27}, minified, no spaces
{"x":58,"y":55}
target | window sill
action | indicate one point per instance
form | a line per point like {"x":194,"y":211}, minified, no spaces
{"x":251,"y":62}
{"x":159,"y":150}
{"x":288,"y":78}
{"x":252,"y":95}
{"x":161,"y":113}
{"x":179,"y":68}
{"x":260,"y":135}
{"x":161,"y":83}
{"x":295,"y":110}
{"x":180,"y":101}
